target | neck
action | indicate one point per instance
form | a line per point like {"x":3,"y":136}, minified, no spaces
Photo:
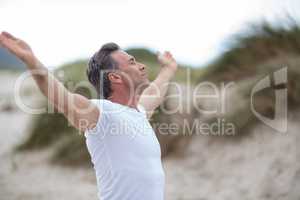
{"x":122,"y":96}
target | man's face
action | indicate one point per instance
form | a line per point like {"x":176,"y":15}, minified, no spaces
{"x":134,"y":74}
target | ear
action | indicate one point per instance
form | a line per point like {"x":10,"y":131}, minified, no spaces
{"x":115,"y":78}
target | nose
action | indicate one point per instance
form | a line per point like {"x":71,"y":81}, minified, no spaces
{"x":142,"y":67}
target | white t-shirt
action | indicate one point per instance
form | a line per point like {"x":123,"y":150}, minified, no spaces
{"x":125,"y":153}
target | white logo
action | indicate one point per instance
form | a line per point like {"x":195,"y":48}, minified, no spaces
{"x":279,"y":122}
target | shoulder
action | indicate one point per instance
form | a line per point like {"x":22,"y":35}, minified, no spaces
{"x":104,"y":108}
{"x":142,"y":109}
{"x":101,"y":103}
{"x":107,"y":107}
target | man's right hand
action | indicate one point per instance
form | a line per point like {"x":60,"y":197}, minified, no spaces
{"x":17,"y":47}
{"x":79,"y":110}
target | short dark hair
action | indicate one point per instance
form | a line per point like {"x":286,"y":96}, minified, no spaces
{"x":97,"y":66}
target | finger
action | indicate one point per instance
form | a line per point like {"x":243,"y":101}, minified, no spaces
{"x":6,"y":43}
{"x":8,"y":35}
{"x":1,"y":38}
{"x":171,"y":56}
{"x":3,"y":43}
{"x":168,"y":54}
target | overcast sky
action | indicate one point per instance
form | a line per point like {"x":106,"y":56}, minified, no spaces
{"x":60,"y":31}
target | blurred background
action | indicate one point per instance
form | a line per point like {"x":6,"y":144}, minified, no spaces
{"x":240,"y":42}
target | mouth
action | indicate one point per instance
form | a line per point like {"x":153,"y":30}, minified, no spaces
{"x":145,"y":74}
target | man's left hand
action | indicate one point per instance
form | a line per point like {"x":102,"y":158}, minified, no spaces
{"x":166,"y":60}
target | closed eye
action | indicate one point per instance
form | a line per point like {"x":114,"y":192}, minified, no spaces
{"x":132,"y":60}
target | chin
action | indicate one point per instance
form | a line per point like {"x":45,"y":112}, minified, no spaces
{"x":147,"y":82}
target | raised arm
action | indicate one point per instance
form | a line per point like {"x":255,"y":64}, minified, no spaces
{"x":79,"y":110}
{"x":154,"y":94}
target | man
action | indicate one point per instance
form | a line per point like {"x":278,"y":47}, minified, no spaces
{"x":123,"y":147}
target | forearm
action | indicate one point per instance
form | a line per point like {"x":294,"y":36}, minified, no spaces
{"x":51,"y":88}
{"x":154,"y":94}
{"x":40,"y":74}
{"x":159,"y":86}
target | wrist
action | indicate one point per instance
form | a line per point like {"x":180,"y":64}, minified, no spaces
{"x":169,"y":68}
{"x":168,"y":72}
{"x":32,"y":62}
